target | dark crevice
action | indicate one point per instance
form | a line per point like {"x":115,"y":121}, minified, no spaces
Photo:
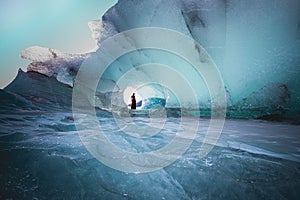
{"x":192,"y":20}
{"x":186,"y":23}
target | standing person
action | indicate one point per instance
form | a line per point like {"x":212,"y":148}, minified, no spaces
{"x":133,"y":101}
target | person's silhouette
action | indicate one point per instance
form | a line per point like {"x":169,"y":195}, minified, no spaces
{"x":133,"y":101}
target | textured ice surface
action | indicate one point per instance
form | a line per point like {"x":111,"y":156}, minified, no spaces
{"x":42,"y":157}
{"x":54,"y":63}
{"x":153,"y":103}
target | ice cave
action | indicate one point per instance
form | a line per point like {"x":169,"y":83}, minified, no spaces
{"x":218,"y":106}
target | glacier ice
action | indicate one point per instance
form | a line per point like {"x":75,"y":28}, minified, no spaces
{"x":154,"y":103}
{"x":254,"y":45}
{"x":52,"y":62}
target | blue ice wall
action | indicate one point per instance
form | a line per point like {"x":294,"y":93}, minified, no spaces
{"x":254,"y":44}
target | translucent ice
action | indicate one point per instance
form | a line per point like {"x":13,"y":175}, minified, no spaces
{"x":255,"y":46}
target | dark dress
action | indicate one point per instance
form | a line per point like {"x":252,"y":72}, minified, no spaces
{"x":133,"y":102}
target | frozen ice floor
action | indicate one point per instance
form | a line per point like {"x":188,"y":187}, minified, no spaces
{"x":42,"y":157}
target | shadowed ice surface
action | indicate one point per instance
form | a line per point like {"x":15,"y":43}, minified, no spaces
{"x":42,"y":157}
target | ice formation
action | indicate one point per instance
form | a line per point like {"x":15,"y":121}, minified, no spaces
{"x":255,"y":46}
{"x":52,"y":62}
